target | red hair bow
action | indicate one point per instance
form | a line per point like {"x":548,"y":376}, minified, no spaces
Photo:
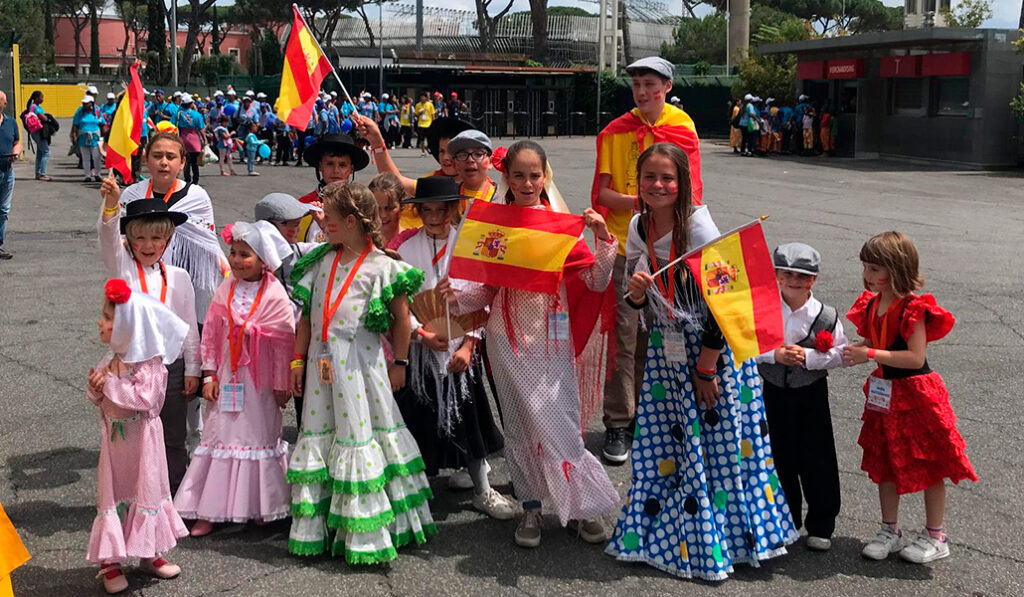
{"x":823,"y":342}
{"x":117,"y":291}
{"x":498,"y":159}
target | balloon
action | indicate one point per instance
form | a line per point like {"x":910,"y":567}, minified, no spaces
{"x":165,"y":126}
{"x":230,"y":109}
{"x":346,"y":126}
{"x":310,"y":139}
{"x":264,"y":152}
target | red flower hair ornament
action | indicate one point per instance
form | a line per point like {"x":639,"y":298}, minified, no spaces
{"x":823,"y":341}
{"x":227,"y":233}
{"x":117,"y":291}
{"x":498,"y":159}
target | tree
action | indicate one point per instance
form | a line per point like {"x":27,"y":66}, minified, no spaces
{"x":970,"y":14}
{"x":840,"y":17}
{"x":133,"y":16}
{"x":77,"y":14}
{"x":194,"y":19}
{"x":21,"y":21}
{"x":1017,"y":103}
{"x":698,"y":39}
{"x":775,"y":75}
{"x":486,"y":23}
{"x":94,"y":35}
{"x":156,"y":40}
{"x":331,"y":11}
{"x":539,"y":17}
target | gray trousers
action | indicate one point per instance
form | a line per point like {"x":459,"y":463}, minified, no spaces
{"x":622,"y":387}
{"x":173,"y":416}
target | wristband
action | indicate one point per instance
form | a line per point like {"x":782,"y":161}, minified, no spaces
{"x":298,"y":357}
{"x":402,"y":362}
{"x":871,"y":354}
{"x":703,"y":376}
{"x":209,"y":379}
{"x":298,"y":364}
{"x":705,"y":372}
{"x":111,"y":211}
{"x":420,"y":332}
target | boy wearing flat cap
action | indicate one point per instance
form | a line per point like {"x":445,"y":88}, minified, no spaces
{"x":614,"y":196}
{"x":796,"y":394}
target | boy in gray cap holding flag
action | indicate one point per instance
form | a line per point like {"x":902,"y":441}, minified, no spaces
{"x":796,"y":394}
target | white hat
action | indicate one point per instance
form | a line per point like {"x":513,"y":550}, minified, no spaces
{"x":110,"y":95}
{"x":249,"y":93}
{"x":186,"y":98}
{"x":176,"y":94}
{"x":143,"y":327}
{"x":674,"y":99}
{"x":232,"y":92}
{"x":384,"y":96}
{"x":748,"y":97}
{"x":265,"y":240}
{"x":87,"y":99}
{"x":769,"y":100}
{"x":367,"y":95}
{"x":261,"y":95}
{"x":334,"y":94}
{"x":218,"y":93}
{"x":802,"y":97}
{"x":145,"y":91}
{"x":91,"y":90}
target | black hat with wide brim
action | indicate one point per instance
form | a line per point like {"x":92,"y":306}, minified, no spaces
{"x":337,"y":144}
{"x":436,"y":189}
{"x":150,"y":208}
{"x":445,"y":127}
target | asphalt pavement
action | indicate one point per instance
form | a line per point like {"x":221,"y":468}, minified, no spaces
{"x":966,"y":224}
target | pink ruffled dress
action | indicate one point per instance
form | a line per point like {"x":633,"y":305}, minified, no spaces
{"x":237,"y":473}
{"x":135,"y":517}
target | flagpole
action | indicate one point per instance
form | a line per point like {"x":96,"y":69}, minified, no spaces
{"x":295,"y":7}
{"x":693,"y":252}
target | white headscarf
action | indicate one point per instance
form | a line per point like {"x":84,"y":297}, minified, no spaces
{"x":550,"y":189}
{"x":266,"y":241}
{"x":144,"y":328}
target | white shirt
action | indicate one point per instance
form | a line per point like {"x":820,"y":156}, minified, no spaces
{"x":419,"y":251}
{"x":797,"y":324}
{"x":181,"y":297}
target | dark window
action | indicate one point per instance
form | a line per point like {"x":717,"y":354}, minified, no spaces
{"x":944,"y":5}
{"x":951,"y":96}
{"x":907,"y":96}
{"x":911,"y":7}
{"x":927,"y":6}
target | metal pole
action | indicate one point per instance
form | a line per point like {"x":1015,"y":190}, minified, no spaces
{"x":419,"y":24}
{"x":174,"y":43}
{"x":727,"y":37}
{"x":380,"y":42}
{"x":602,"y":8}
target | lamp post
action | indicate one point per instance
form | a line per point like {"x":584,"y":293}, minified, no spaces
{"x":380,"y":43}
{"x":174,"y":43}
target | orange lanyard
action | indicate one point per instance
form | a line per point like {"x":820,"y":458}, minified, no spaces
{"x":167,"y":197}
{"x":163,"y":278}
{"x":880,"y":339}
{"x":437,"y":256}
{"x":670,"y":292}
{"x":235,"y":345}
{"x":329,"y":312}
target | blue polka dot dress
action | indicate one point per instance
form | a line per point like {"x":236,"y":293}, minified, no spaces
{"x":704,"y":493}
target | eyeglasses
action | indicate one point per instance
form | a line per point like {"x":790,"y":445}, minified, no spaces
{"x":477,"y":154}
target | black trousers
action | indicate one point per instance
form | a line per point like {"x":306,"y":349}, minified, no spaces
{"x":173,"y":416}
{"x":804,"y":449}
{"x":192,"y":167}
{"x":748,"y":139}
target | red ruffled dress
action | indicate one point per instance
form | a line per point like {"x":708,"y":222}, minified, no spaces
{"x":916,"y":444}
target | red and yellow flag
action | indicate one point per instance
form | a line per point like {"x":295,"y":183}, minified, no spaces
{"x":737,"y":278}
{"x":514,"y":247}
{"x":305,"y":67}
{"x":126,"y":130}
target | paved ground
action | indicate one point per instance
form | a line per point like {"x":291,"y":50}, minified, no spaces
{"x":966,"y":224}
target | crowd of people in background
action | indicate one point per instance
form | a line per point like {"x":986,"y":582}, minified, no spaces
{"x":761,"y":127}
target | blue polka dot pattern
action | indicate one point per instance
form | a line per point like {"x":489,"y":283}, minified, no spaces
{"x":705,"y":494}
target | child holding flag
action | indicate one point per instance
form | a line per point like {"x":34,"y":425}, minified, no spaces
{"x":704,"y":495}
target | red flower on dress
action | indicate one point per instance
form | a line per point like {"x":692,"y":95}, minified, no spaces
{"x":498,"y":159}
{"x":117,"y":291}
{"x":823,"y":342}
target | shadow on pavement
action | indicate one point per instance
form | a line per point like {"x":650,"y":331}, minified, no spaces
{"x":52,"y":468}
{"x":39,"y":581}
{"x":45,"y":518}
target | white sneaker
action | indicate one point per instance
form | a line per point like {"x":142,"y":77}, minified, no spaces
{"x":886,"y":542}
{"x":494,"y":505}
{"x":818,"y":543}
{"x":461,"y":481}
{"x":591,"y":531}
{"x":924,"y":549}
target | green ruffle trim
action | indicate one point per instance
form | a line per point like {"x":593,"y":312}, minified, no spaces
{"x":391,"y":471}
{"x":306,"y":548}
{"x":403,"y":539}
{"x":299,"y":292}
{"x":320,"y":475}
{"x":360,"y":487}
{"x":305,"y":298}
{"x":361,"y":525}
{"x":365,"y":557}
{"x":412,"y":467}
{"x":412,"y":501}
{"x":309,"y":509}
{"x":378,"y":313}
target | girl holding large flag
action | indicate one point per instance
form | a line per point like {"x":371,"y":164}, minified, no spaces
{"x":538,"y":370}
{"x":704,"y":495}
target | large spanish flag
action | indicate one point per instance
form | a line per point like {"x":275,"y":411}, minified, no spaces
{"x":737,"y":278}
{"x":305,"y":67}
{"x":126,"y":130}
{"x":514,"y":247}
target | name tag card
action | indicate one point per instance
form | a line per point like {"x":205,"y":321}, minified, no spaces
{"x":879,"y":394}
{"x":674,"y":344}
{"x":558,"y":325}
{"x":232,"y":397}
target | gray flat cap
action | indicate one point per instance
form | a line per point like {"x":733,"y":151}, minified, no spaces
{"x":797,"y":257}
{"x":659,"y":65}
{"x":471,"y":139}
{"x":279,"y":207}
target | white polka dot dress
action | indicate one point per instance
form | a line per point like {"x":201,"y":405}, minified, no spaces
{"x":704,"y":493}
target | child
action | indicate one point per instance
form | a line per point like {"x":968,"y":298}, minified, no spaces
{"x":148,"y":226}
{"x":335,"y":158}
{"x":614,"y":196}
{"x":237,"y":472}
{"x":796,"y":394}
{"x":807,"y":122}
{"x":135,"y":517}
{"x":447,"y":406}
{"x":388,"y":191}
{"x":909,"y":435}
{"x":225,"y":145}
{"x":252,"y":145}
{"x":356,"y":470}
{"x":541,"y":379}
{"x":704,"y":494}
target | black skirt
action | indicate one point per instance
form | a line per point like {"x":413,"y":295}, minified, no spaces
{"x":475,"y":435}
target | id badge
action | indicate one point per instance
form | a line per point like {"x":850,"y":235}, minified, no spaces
{"x":674,"y":344}
{"x":324,"y":369}
{"x":558,"y":325}
{"x":879,"y":394}
{"x":232,"y":397}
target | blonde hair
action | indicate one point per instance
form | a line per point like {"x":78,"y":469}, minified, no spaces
{"x":149,"y":225}
{"x":353,"y":199}
{"x":897,"y":254}
{"x":390,"y":185}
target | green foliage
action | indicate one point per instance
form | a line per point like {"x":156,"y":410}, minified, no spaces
{"x":266,"y":54}
{"x":969,"y":14}
{"x":702,"y":68}
{"x":775,"y":75}
{"x":697,"y":40}
{"x":1017,"y":103}
{"x":209,"y":67}
{"x":21,"y":22}
{"x":532,"y":63}
{"x":842,"y":16}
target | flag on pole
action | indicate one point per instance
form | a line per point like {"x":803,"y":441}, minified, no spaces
{"x":305,"y":67}
{"x":126,"y":130}
{"x":514,"y":247}
{"x":737,"y":279}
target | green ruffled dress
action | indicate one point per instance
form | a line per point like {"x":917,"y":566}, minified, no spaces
{"x":358,"y":486}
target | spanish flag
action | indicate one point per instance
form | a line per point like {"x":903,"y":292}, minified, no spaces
{"x":126,"y":130}
{"x":305,"y":67}
{"x":737,"y":279}
{"x":514,"y":247}
{"x":12,"y":553}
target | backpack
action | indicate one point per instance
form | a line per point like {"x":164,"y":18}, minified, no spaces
{"x":31,"y":120}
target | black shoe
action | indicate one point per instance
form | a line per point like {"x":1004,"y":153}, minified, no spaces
{"x":5,"y":255}
{"x":616,"y":445}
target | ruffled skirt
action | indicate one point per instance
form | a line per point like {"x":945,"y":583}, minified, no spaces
{"x":132,"y":530}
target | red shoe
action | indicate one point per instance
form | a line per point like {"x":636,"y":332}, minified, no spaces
{"x":113,"y":579}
